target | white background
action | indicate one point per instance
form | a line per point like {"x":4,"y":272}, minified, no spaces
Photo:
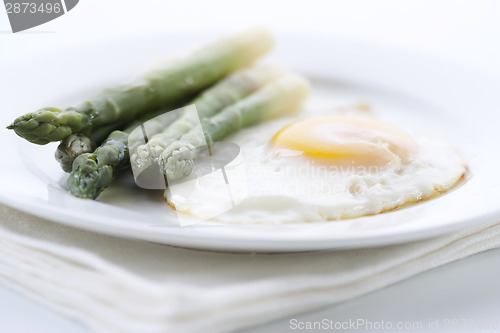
{"x":464,"y":32}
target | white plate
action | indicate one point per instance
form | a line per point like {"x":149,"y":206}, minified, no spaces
{"x":412,"y":91}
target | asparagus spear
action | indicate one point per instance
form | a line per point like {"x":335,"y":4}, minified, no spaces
{"x":71,"y":147}
{"x":93,"y":172}
{"x":281,"y":96}
{"x":76,"y":144}
{"x":213,"y":100}
{"x":174,"y":80}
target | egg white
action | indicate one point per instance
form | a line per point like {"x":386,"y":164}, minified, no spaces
{"x":272,"y":190}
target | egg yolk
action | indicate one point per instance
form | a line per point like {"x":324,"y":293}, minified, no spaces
{"x":340,"y":140}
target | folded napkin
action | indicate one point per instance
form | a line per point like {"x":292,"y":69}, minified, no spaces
{"x":122,"y":285}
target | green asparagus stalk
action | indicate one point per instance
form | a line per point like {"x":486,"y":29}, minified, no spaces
{"x":279,"y":97}
{"x":176,"y":79}
{"x":213,"y":100}
{"x":76,"y":144}
{"x":93,"y":172}
{"x":71,"y":147}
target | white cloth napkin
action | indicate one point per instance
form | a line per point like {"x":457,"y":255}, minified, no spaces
{"x":119,"y":285}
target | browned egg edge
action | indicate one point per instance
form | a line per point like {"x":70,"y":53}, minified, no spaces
{"x":436,"y":193}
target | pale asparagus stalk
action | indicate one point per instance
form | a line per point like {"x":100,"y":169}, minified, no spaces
{"x":175,"y":80}
{"x":213,"y":100}
{"x":281,"y":96}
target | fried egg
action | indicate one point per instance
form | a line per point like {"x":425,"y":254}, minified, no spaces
{"x":321,"y":168}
